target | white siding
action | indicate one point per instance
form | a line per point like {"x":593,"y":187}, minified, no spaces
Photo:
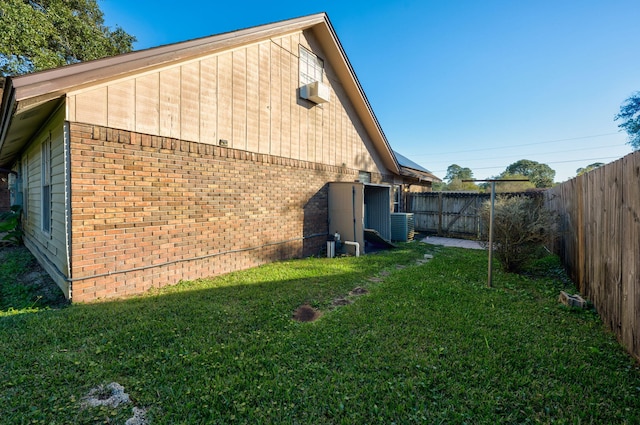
{"x":49,"y":247}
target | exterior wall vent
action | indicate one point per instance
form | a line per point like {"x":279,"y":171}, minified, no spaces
{"x":316,"y":92}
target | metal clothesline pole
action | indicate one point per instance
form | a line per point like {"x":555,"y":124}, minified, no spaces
{"x":493,"y":198}
{"x":490,"y":265}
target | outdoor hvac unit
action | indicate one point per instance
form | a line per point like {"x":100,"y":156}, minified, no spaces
{"x":402,"y":227}
{"x":315,"y":92}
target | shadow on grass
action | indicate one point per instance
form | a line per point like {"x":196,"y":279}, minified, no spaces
{"x":429,"y":343}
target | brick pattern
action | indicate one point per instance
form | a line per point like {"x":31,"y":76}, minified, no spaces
{"x":149,"y":211}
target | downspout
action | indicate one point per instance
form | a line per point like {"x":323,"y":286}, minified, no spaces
{"x":353,"y":210}
{"x":67,"y":201}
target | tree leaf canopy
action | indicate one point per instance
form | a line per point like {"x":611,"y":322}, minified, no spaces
{"x":541,"y":175}
{"x":630,"y":116}
{"x":38,"y":35}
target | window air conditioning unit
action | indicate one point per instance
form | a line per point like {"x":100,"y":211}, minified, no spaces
{"x":315,"y":92}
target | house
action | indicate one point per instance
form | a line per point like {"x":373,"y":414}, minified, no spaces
{"x":5,"y":198}
{"x":416,"y":177}
{"x":188,"y":160}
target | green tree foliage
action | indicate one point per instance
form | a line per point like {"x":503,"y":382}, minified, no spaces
{"x":630,"y":116}
{"x":457,"y":185}
{"x":455,"y":175}
{"x":580,"y":171}
{"x":454,"y":171}
{"x":521,"y":226}
{"x":541,"y":175}
{"x":44,"y":34}
{"x":505,"y":187}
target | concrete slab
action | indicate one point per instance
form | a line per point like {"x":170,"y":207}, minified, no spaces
{"x":459,"y":243}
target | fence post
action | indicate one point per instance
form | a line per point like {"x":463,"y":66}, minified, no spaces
{"x":440,"y":214}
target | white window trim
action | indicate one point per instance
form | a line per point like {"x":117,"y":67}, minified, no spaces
{"x":311,"y":67}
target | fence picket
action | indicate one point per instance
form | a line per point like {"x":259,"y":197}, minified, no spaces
{"x":599,"y":242}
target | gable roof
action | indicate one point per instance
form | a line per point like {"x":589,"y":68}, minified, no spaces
{"x":411,"y":169}
{"x":28,"y":100}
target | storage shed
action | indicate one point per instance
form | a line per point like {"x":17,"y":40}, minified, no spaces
{"x":357,"y":208}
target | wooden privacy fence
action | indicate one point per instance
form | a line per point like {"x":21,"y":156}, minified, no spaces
{"x":451,"y":214}
{"x":599,"y":242}
{"x":448,"y":213}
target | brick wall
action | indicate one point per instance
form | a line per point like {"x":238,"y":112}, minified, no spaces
{"x":150,"y":211}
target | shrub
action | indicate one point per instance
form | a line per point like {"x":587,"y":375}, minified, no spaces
{"x":10,"y":225}
{"x":521,"y":226}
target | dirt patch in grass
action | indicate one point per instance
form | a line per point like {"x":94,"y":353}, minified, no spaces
{"x":341,"y":301}
{"x":306,"y":313}
{"x":358,"y":290}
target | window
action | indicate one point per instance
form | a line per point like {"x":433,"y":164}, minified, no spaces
{"x":364,"y":177}
{"x":46,"y":185}
{"x":311,"y":67}
{"x":397,"y":198}
{"x":24,"y":183}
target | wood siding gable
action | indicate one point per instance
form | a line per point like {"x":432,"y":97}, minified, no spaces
{"x":246,"y":99}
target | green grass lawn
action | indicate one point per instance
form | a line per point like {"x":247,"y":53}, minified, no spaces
{"x":429,"y":343}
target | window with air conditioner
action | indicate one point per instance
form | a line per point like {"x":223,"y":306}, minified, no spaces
{"x":312,"y":85}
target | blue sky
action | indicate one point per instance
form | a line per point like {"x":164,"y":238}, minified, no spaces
{"x":481,"y":84}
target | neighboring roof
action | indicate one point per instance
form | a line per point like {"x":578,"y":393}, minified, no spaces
{"x":411,"y":169}
{"x":28,"y":100}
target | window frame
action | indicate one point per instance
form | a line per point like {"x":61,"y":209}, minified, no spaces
{"x":397,"y":198}
{"x":46,"y":212}
{"x":24,"y":186}
{"x":310,"y":66}
{"x":364,"y":176}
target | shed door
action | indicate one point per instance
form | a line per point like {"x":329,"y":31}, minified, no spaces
{"x":346,"y":211}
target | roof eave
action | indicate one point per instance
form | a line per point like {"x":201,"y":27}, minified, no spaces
{"x":7,"y":107}
{"x":417,"y":174}
{"x":58,"y":81}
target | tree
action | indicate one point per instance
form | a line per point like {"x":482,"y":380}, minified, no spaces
{"x":509,"y":187}
{"x":455,"y":175}
{"x":44,"y":34}
{"x":541,"y":175}
{"x":457,"y":185}
{"x":580,"y":171}
{"x":630,"y":116}
{"x":454,"y":171}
